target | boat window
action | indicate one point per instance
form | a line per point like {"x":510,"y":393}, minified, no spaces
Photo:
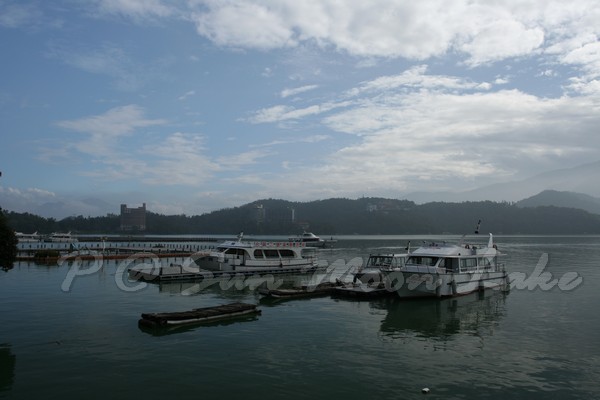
{"x":397,"y":262}
{"x":258,"y":254}
{"x":451,"y":264}
{"x":286,"y":253}
{"x":467,"y":264}
{"x":379,"y":261}
{"x":271,"y":253}
{"x":428,"y":261}
{"x":485,"y":262}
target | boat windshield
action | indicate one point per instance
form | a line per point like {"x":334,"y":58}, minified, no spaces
{"x":420,"y":260}
{"x":383,"y":261}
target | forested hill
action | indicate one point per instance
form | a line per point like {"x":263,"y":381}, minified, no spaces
{"x":341,"y":217}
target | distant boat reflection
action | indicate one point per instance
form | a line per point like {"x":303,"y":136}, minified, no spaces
{"x":441,"y":319}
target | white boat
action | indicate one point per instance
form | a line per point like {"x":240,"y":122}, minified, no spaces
{"x":257,"y":256}
{"x":312,"y":240}
{"x":442,"y":269}
{"x":372,"y":278}
{"x":28,"y":237}
{"x":61,"y":238}
{"x":378,"y":266}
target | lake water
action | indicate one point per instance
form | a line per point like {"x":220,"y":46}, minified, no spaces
{"x":532,"y":343}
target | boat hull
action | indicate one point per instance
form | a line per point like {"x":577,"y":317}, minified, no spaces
{"x":418,"y":284}
{"x":237,"y":264}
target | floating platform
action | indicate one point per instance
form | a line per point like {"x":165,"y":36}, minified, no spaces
{"x":197,"y":315}
{"x":322,"y":289}
{"x":87,"y":257}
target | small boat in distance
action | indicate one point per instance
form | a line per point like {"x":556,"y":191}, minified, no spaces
{"x":312,"y":240}
{"x":442,"y":269}
{"x":61,"y":238}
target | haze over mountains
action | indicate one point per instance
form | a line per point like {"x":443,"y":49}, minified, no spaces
{"x":550,"y":188}
{"x":563,"y":199}
{"x":583,"y":179}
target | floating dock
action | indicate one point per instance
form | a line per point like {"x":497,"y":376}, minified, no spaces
{"x":322,"y":289}
{"x":197,"y":315}
{"x":190,"y":273}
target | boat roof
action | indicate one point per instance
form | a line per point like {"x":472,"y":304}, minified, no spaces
{"x":446,"y":250}
{"x":237,"y":244}
{"x":394,"y":255}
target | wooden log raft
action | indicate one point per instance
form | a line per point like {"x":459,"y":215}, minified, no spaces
{"x":197,"y":315}
{"x":321,"y":289}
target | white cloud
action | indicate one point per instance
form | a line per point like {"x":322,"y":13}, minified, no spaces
{"x":416,"y":130}
{"x":244,"y":24}
{"x":292,"y":92}
{"x":482,"y":32}
{"x":127,"y":73}
{"x":136,"y":9}
{"x":17,"y":15}
{"x":414,"y":77}
{"x":240,"y":160}
{"x":186,"y":95}
{"x":103,"y":131}
{"x":497,"y":37}
{"x":175,"y":159}
{"x":302,"y":139}
{"x":179,"y":160}
{"x":283,"y":113}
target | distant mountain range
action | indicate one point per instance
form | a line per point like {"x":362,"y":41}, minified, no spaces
{"x":369,"y":216}
{"x":563,"y":199}
{"x":581,"y":179}
{"x":577,"y":187}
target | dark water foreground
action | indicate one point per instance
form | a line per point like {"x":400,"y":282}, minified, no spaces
{"x":82,"y":340}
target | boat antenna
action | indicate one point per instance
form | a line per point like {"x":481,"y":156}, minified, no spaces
{"x":477,"y":228}
{"x":408,"y":247}
{"x":240,"y":236}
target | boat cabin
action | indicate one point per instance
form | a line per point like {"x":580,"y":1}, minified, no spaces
{"x":454,"y":259}
{"x":386,"y":261}
{"x":455,"y":264}
{"x":258,"y":254}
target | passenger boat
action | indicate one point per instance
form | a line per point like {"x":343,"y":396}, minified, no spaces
{"x":442,"y":269}
{"x":61,"y":238}
{"x":258,"y":256}
{"x":312,"y":240}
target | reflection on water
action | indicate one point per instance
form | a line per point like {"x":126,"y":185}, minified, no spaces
{"x":173,"y":329}
{"x":85,"y":342}
{"x":474,"y":314}
{"x":7,"y":367}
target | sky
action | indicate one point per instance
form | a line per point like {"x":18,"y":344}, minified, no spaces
{"x":197,"y":105}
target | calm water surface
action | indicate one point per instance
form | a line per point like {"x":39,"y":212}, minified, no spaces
{"x":527,"y":344}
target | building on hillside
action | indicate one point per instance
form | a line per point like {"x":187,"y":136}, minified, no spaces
{"x":133,"y":219}
{"x":259,"y":213}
